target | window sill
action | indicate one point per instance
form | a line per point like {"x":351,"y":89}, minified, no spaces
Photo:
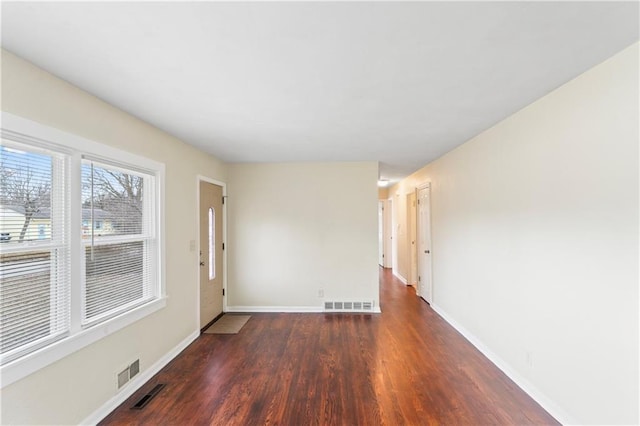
{"x":29,"y":364}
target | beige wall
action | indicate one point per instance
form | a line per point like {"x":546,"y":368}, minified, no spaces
{"x":71,"y":389}
{"x":535,"y":242}
{"x":296,"y":228}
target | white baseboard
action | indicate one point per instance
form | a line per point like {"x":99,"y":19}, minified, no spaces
{"x":400,"y":277}
{"x":137,"y":382}
{"x":290,"y":309}
{"x":276,"y":309}
{"x":546,"y":402}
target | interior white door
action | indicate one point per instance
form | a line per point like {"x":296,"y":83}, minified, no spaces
{"x":424,"y":244}
{"x":388,"y":234}
{"x":412,"y":248}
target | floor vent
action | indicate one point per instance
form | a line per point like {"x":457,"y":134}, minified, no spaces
{"x":349,"y":306}
{"x":142,"y":402}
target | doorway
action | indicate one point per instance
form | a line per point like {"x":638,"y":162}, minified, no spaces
{"x":384,"y":233}
{"x":424,"y":289}
{"x":210,"y":251}
{"x":412,"y":250}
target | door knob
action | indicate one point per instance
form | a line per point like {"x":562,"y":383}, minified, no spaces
{"x":201,"y":263}
{"x":427,"y":251}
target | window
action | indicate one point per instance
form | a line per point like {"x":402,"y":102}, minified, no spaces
{"x":119,"y":264}
{"x":80,"y":243}
{"x":34,"y":253}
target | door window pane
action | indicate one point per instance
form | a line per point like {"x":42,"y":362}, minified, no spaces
{"x":212,"y":243}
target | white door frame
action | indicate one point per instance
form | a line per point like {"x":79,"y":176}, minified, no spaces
{"x":199,"y":179}
{"x":412,"y":237}
{"x":429,"y":296}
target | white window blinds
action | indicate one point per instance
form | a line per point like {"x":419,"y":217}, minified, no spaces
{"x":34,"y":249}
{"x":118,"y":240}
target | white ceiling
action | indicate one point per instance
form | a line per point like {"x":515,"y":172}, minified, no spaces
{"x":399,"y":83}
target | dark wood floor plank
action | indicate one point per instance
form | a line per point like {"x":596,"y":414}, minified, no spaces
{"x":404,"y":366}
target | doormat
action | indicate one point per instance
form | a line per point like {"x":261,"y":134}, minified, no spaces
{"x":228,"y":324}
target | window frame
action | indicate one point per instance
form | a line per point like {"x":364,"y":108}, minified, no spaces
{"x":75,"y":148}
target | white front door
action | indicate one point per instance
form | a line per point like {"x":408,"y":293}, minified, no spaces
{"x":424,"y":243}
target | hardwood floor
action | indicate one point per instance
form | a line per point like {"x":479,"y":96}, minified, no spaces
{"x":404,"y":366}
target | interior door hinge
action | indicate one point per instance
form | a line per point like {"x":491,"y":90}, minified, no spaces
{"x":223,"y":197}
{"x":222,"y":246}
{"x":418,"y":277}
{"x":223,"y":291}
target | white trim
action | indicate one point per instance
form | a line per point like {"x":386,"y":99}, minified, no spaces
{"x":290,"y":309}
{"x":547,"y":403}
{"x":381,"y":233}
{"x":201,"y":178}
{"x":137,"y":382}
{"x":77,"y":252}
{"x":375,"y":310}
{"x":19,"y":126}
{"x":34,"y":361}
{"x":400,"y":277}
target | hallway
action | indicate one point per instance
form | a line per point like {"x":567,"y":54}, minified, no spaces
{"x":404,"y":366}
